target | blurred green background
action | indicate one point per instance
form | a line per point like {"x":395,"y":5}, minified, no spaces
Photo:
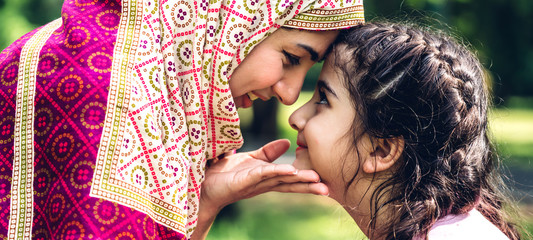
{"x":501,"y":31}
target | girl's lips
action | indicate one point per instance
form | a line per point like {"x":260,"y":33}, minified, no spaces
{"x":300,"y":143}
{"x":300,"y":148}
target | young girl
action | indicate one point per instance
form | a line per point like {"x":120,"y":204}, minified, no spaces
{"x":397,"y":130}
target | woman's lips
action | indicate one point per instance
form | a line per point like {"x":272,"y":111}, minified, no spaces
{"x":252,"y":96}
{"x":246,"y":100}
{"x":243,"y":101}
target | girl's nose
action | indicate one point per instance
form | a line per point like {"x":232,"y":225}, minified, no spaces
{"x":297,"y":119}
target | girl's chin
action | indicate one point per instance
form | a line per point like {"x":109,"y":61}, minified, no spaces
{"x":301,"y":164}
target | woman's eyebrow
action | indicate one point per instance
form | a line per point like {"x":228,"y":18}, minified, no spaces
{"x":324,"y":85}
{"x":312,"y":52}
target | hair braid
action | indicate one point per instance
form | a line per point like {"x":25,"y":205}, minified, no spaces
{"x":430,"y":90}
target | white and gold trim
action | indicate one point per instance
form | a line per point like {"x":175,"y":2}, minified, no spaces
{"x":324,"y":19}
{"x":21,"y":205}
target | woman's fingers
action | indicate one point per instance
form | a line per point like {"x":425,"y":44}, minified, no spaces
{"x":269,"y":170}
{"x":300,"y":187}
{"x":302,"y":176}
{"x":257,"y":183}
{"x":313,"y":188}
{"x":284,"y":172}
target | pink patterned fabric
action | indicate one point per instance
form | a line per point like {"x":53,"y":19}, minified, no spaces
{"x":71,"y":90}
{"x":109,"y":113}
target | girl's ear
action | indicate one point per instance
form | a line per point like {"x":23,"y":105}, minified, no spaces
{"x":383,"y":154}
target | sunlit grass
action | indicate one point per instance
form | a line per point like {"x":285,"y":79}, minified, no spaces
{"x":287,"y":216}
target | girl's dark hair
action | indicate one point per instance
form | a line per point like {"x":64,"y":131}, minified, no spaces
{"x":431,"y":91}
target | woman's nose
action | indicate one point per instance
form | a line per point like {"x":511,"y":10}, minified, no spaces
{"x":288,"y":89}
{"x":289,"y":96}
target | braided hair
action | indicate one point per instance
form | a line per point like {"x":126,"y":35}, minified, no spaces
{"x":431,"y":91}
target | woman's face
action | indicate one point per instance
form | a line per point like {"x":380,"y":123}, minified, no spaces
{"x":278,"y":65}
{"x":324,"y":126}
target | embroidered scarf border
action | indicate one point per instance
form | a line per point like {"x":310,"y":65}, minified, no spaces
{"x":21,"y":206}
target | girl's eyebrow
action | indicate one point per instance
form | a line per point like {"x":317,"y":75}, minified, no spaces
{"x":324,"y":85}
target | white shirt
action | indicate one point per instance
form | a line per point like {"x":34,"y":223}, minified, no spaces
{"x":471,"y":225}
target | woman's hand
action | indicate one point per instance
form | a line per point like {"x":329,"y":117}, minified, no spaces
{"x":244,"y":175}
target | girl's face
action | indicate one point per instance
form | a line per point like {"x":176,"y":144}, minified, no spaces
{"x":278,"y":65}
{"x":324,"y":126}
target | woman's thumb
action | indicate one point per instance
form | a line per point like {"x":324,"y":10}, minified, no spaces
{"x":272,"y":150}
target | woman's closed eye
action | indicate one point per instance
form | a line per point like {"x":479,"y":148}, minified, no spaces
{"x":291,"y":58}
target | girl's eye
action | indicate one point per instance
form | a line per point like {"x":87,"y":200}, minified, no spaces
{"x":322,"y":98}
{"x":293,"y":60}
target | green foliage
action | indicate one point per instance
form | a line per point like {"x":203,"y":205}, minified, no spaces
{"x":499,"y":30}
{"x":21,"y":16}
{"x":512,"y":131}
{"x":518,"y":103}
{"x":39,"y":12}
{"x":312,"y":77}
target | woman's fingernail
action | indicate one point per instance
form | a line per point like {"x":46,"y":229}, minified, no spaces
{"x":295,"y":172}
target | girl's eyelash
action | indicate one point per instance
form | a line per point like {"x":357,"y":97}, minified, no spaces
{"x":322,"y":98}
{"x":293,"y":60}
